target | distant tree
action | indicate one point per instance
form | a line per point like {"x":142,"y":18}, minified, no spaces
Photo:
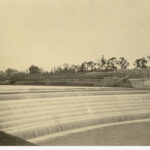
{"x":112,"y":64}
{"x":65,"y":67}
{"x":10,"y":71}
{"x":102,"y":63}
{"x":90,"y":65}
{"x":148,"y":61}
{"x":148,"y":57}
{"x":73,"y":68}
{"x":59,"y":69}
{"x":34,"y":69}
{"x":42,"y":70}
{"x":54,"y":69}
{"x":77,"y":68}
{"x":1,"y":72}
{"x":83,"y":67}
{"x":140,"y":63}
{"x":96,"y":66}
{"x":123,"y":63}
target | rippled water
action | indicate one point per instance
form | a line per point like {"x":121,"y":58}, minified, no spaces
{"x":38,"y":113}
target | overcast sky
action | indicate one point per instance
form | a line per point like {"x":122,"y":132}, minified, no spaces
{"x":48,"y":33}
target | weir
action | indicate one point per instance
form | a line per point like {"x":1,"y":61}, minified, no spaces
{"x":140,"y":83}
{"x":39,"y":117}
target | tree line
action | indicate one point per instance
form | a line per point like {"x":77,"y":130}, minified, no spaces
{"x":102,"y":64}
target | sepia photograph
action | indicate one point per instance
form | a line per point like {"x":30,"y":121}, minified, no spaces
{"x":74,"y":73}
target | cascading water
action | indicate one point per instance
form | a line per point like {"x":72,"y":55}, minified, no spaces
{"x":38,"y":114}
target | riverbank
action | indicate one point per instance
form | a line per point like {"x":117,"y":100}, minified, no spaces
{"x":119,"y":78}
{"x":67,"y":79}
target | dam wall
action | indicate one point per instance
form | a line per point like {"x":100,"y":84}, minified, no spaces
{"x":42,"y":115}
{"x":140,"y":83}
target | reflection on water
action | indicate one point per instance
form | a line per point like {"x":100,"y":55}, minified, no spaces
{"x":29,"y":114}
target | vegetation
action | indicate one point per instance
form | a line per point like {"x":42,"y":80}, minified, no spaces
{"x":104,"y":72}
{"x":34,"y":69}
{"x":102,"y":65}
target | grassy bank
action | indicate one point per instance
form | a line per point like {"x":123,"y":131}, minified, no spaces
{"x":118,"y":78}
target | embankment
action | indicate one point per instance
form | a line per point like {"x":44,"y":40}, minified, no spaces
{"x":107,"y":79}
{"x":138,"y":78}
{"x":10,"y":140}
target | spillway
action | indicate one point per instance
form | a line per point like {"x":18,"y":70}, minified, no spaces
{"x":41,"y":114}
